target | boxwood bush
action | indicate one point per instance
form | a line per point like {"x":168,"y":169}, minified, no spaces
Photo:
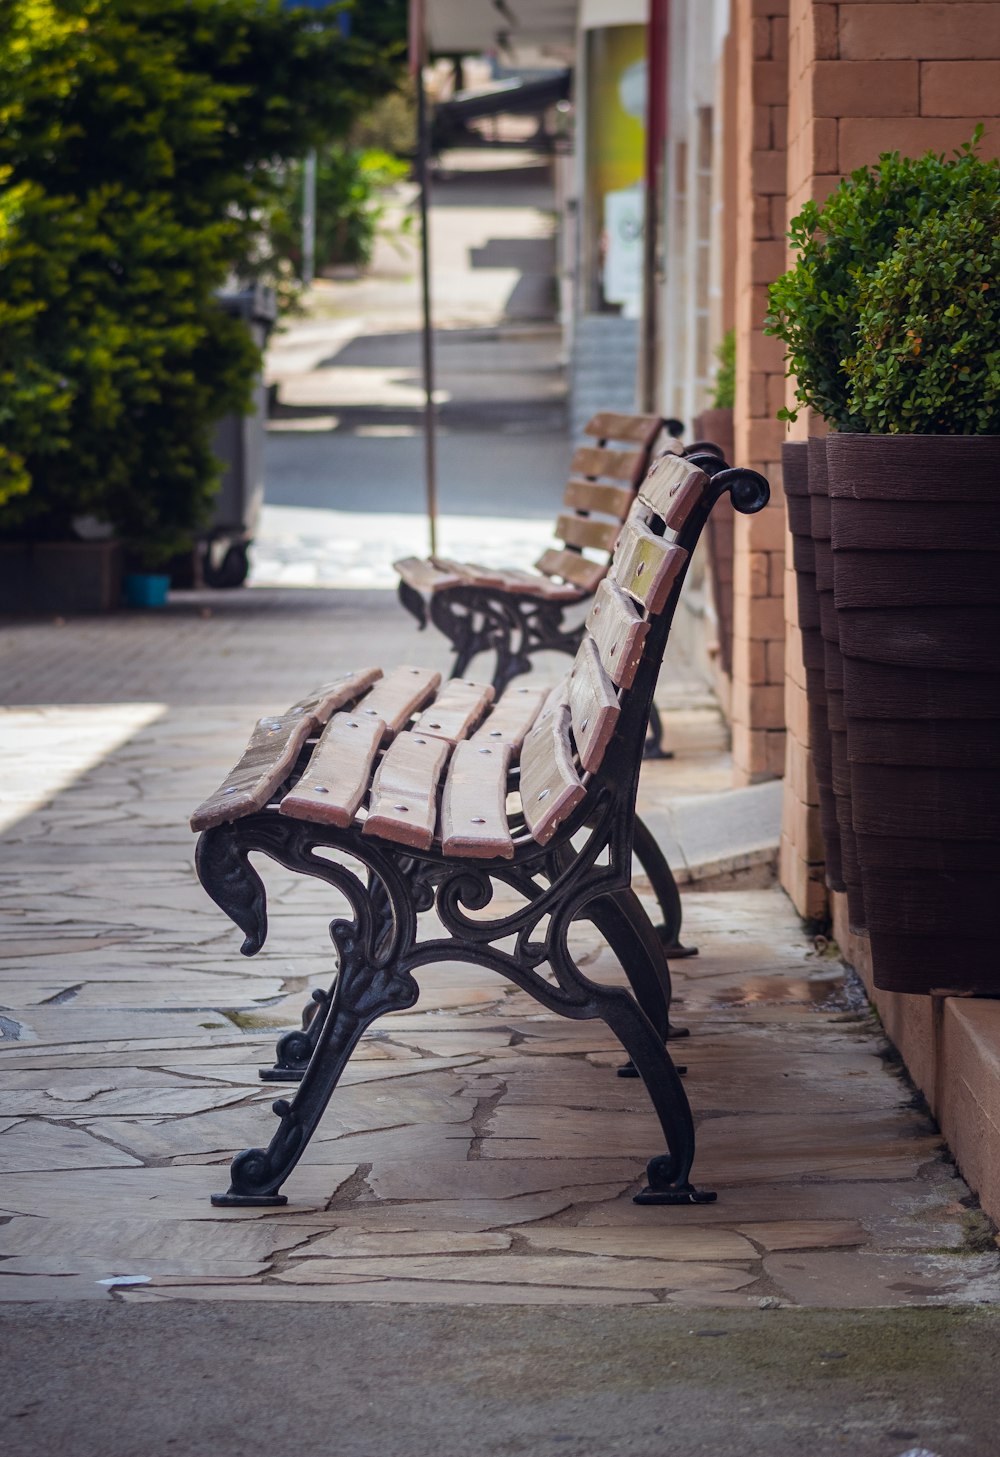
{"x":927,"y":359}
{"x":814,"y":307}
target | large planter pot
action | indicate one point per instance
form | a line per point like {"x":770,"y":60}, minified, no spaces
{"x":795,"y":475}
{"x":716,"y":428}
{"x":916,"y":538}
{"x":833,"y":672}
{"x":56,"y":578}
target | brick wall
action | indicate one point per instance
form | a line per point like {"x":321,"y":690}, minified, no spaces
{"x":761,"y":34}
{"x":863,"y":79}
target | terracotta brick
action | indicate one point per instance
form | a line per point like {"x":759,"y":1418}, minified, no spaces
{"x":767,"y":705}
{"x":960,"y":88}
{"x":826,"y":32}
{"x":760,"y":38}
{"x":866,"y":88}
{"x":778,"y":221}
{"x":768,"y":171}
{"x":768,"y":7}
{"x":758,"y":393}
{"x":775,"y":394}
{"x":767,"y":261}
{"x":803,"y":883}
{"x":749,"y":754}
{"x":761,"y":130}
{"x":921,"y":31}
{"x":765,"y":437}
{"x":767,"y":618}
{"x":768,"y":527}
{"x":756,"y":662}
{"x":776,"y":574}
{"x":776,"y":753}
{"x":779,"y":126}
{"x":762,"y":224}
{"x":779,"y":39}
{"x":862,"y":139}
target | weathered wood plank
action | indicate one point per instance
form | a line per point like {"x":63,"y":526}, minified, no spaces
{"x":646,"y":566}
{"x":456,"y":710}
{"x":572,"y":567}
{"x":672,"y":487}
{"x":274,"y":746}
{"x":619,"y":632}
{"x":607,"y":425}
{"x":588,"y":531}
{"x":473,"y":808}
{"x":338,"y":774}
{"x":616,"y":465}
{"x":403,"y":805}
{"x":591,"y":496}
{"x":400,"y":694}
{"x":424,"y":576}
{"x":593,"y":705}
{"x":550,"y":786}
{"x":511,"y":717}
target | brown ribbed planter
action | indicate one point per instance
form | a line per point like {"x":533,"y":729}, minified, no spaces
{"x":716,"y":427}
{"x":916,"y":538}
{"x":795,"y":474}
{"x":55,"y":577}
{"x":833,"y":672}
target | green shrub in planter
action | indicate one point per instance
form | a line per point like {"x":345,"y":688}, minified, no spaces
{"x":928,"y":353}
{"x":814,"y":306}
{"x":724,"y":392}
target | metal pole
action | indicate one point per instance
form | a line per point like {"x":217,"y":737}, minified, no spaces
{"x":656,"y":130}
{"x":423,"y":179}
{"x":309,"y":218}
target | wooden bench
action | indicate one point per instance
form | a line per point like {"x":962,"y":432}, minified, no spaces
{"x":437,"y":797}
{"x":515,"y":613}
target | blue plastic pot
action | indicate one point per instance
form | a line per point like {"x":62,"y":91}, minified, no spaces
{"x":146,"y":589}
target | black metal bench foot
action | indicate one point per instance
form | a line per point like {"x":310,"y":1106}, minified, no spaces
{"x":629,"y":1070}
{"x":229,"y":1200}
{"x":673,"y":950}
{"x":686,"y":1195}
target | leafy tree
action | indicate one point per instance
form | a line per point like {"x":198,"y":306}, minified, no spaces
{"x":140,"y":141}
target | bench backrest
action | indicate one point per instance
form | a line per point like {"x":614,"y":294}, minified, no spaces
{"x":600,"y":492}
{"x":605,"y":698}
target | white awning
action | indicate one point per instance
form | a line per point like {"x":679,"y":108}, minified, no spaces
{"x":469,"y":27}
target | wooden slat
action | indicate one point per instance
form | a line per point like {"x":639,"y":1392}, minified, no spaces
{"x":572,"y":567}
{"x":337,"y":776}
{"x":399,"y":695}
{"x":473,"y":809}
{"x":424,"y":576}
{"x":586,"y":531}
{"x":643,"y":429}
{"x":403,"y":804}
{"x":606,"y":500}
{"x":618,"y":632}
{"x":672,"y":488}
{"x":456,"y":710}
{"x":593,"y":705}
{"x":616,"y":465}
{"x":471,"y":574}
{"x":511,"y":717}
{"x":646,"y":566}
{"x":550,"y":785}
{"x":274,"y":746}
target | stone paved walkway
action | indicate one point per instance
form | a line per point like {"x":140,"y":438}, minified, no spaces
{"x":479,"y":1149}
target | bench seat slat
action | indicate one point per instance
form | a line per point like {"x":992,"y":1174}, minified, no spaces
{"x":456,"y":710}
{"x":572,"y":567}
{"x":608,"y":425}
{"x":473,"y":809}
{"x":617,"y":465}
{"x":647,"y":566}
{"x":398,"y":697}
{"x":403,"y":805}
{"x":424,"y":576}
{"x":550,"y":786}
{"x":586,"y":531}
{"x":274,"y":746}
{"x":511,"y":717}
{"x":611,"y":501}
{"x":337,"y":776}
{"x":593,"y":706}
{"x":618,"y":632}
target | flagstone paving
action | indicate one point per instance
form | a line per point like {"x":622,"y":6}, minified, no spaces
{"x":479,"y":1150}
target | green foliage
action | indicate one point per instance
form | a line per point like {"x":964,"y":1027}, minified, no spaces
{"x":350,"y":207}
{"x":927,"y":359}
{"x":390,"y":125}
{"x":724,"y":394}
{"x":140,"y":141}
{"x":814,"y":306}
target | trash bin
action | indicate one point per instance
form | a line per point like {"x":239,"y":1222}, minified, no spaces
{"x":239,"y":443}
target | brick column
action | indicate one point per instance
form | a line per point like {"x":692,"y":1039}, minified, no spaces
{"x":758,"y":722}
{"x":864,"y":79}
